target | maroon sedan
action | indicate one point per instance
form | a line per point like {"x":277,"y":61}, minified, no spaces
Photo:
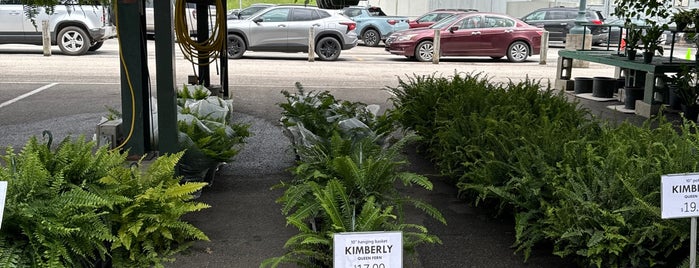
{"x":470,"y":34}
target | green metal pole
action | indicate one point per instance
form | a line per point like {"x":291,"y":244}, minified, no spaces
{"x":165,"y":73}
{"x":580,"y":19}
{"x":135,"y":95}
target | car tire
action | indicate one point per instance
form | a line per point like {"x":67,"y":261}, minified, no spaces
{"x":235,"y":47}
{"x":73,"y":41}
{"x":424,"y":51}
{"x":328,"y":49}
{"x":518,"y":51}
{"x":371,"y":38}
{"x":96,"y":46}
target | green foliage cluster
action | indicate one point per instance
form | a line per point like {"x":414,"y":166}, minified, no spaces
{"x":81,"y":206}
{"x":206,"y":133}
{"x":589,"y":188}
{"x":345,"y":185}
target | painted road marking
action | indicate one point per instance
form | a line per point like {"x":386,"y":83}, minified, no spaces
{"x":27,"y":94}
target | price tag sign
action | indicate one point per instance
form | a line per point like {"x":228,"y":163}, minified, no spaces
{"x":679,"y":196}
{"x":368,"y":250}
{"x":3,"y":194}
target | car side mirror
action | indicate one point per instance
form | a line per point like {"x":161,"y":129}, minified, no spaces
{"x":452,"y":29}
{"x":258,"y":20}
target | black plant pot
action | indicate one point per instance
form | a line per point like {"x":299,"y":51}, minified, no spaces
{"x":583,"y":85}
{"x":674,"y":100}
{"x":603,"y":87}
{"x":690,"y":112}
{"x":631,"y":95}
{"x":620,"y":83}
{"x":647,"y":57}
{"x":631,"y":54}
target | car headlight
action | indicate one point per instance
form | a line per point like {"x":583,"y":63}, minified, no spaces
{"x":405,"y":37}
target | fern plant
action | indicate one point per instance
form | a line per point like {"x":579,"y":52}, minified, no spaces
{"x":313,"y":247}
{"x":79,"y":206}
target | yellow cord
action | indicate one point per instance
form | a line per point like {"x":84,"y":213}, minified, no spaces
{"x":208,"y":49}
{"x":128,"y":79}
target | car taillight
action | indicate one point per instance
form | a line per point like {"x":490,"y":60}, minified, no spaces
{"x":598,"y":22}
{"x":392,"y":22}
{"x":350,"y":25}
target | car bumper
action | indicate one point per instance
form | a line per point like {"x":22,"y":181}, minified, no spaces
{"x":103,"y":33}
{"x":351,"y":40}
{"x":401,"y":48}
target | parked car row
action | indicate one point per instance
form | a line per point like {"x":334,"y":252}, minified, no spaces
{"x":465,"y":32}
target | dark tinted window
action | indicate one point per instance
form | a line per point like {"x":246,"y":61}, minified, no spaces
{"x":556,"y":15}
{"x":303,"y":14}
{"x":536,"y":15}
{"x":323,"y":14}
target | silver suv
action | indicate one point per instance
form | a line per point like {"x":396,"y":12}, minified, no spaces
{"x":75,"y":29}
{"x":286,"y":29}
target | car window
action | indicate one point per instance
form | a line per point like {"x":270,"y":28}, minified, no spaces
{"x":556,"y":15}
{"x":275,"y":15}
{"x":494,"y":22}
{"x":446,"y":21}
{"x":472,"y":22}
{"x":537,"y":15}
{"x":303,"y":14}
{"x":442,"y":15}
{"x":353,"y":12}
{"x":323,"y":14}
{"x":251,"y":10}
{"x":428,"y":17}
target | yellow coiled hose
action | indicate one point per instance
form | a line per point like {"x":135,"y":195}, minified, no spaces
{"x":194,"y":50}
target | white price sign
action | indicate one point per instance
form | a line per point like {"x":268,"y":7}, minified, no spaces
{"x":3,"y":193}
{"x":679,"y":196}
{"x":368,"y":250}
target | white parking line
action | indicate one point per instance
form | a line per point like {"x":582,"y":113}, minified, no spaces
{"x":27,"y":94}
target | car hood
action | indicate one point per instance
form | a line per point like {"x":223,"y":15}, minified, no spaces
{"x":414,"y":31}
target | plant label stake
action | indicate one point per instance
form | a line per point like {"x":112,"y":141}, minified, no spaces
{"x":368,"y":249}
{"x":3,"y":193}
{"x":679,"y":198}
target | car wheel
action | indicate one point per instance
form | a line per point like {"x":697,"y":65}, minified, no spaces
{"x":236,"y":47}
{"x":517,"y":52}
{"x":96,"y":46}
{"x":424,"y":51}
{"x":73,"y":41}
{"x":328,"y":48}
{"x":371,"y":38}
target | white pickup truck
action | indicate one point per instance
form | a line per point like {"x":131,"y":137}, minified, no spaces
{"x":76,"y":29}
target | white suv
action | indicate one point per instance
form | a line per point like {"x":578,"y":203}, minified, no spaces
{"x":286,"y":28}
{"x":75,"y":29}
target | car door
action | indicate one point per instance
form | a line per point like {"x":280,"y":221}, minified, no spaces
{"x":556,"y":23}
{"x":496,"y":34}
{"x":269,"y":29}
{"x":11,"y":21}
{"x":463,"y":37}
{"x":302,"y":19}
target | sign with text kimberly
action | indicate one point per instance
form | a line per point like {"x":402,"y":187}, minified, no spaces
{"x":679,"y":195}
{"x":368,"y":250}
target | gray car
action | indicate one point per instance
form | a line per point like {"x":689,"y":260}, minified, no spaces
{"x":286,"y":29}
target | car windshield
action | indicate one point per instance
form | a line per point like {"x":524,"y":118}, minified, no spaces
{"x":444,"y":22}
